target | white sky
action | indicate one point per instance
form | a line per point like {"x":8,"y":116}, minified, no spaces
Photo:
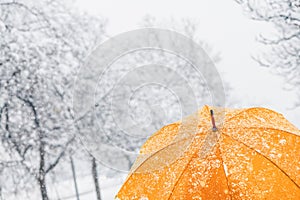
{"x":223,"y":25}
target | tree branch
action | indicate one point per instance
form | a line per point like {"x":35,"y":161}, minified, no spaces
{"x":59,"y":157}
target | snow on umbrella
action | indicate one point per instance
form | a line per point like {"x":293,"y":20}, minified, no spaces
{"x":253,"y":154}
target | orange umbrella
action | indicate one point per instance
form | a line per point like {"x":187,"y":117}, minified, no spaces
{"x":248,"y":154}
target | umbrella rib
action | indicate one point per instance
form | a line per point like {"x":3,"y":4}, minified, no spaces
{"x":162,"y":150}
{"x":264,"y":157}
{"x":268,"y":128}
{"x":229,"y":190}
{"x":159,"y":132}
{"x":148,"y":159}
{"x":158,"y":152}
{"x":181,"y":175}
{"x":248,"y":109}
{"x":241,"y":112}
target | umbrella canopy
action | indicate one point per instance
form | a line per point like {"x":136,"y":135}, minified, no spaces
{"x":249,"y":153}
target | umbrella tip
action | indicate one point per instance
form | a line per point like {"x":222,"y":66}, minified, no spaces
{"x":214,"y":128}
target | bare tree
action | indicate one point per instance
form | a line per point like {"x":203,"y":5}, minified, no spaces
{"x":42,"y":45}
{"x":115,"y":143}
{"x":95,"y":178}
{"x":284,"y":47}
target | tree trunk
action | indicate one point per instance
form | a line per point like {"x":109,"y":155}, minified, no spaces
{"x":95,"y":177}
{"x":74,"y":178}
{"x":43,"y":188}
{"x":42,"y":173}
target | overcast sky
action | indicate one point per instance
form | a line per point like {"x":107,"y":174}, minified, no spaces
{"x":221,"y":24}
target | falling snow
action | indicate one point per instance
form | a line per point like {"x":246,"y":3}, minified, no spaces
{"x":242,"y":160}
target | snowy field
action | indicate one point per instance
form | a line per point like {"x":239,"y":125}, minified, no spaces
{"x":65,"y":190}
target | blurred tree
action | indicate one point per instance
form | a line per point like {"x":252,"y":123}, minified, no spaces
{"x":283,"y":54}
{"x":42,"y":45}
{"x":120,"y":125}
{"x":95,"y":178}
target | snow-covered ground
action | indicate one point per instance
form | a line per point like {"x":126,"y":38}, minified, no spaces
{"x":65,"y":190}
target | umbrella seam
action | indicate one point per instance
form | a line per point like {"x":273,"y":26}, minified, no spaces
{"x":265,"y":158}
{"x":268,"y":128}
{"x":181,"y":174}
{"x":159,"y":132}
{"x":130,"y":174}
{"x":161,"y":150}
{"x":229,"y":190}
{"x":253,"y":108}
{"x":150,"y":157}
{"x":241,"y":112}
